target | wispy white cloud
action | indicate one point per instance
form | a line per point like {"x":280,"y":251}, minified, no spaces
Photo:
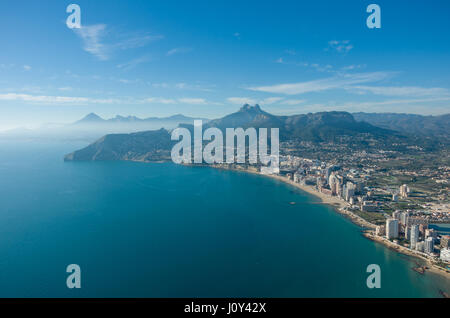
{"x":91,"y":36}
{"x":184,"y":86}
{"x":336,"y":82}
{"x":47,"y":99}
{"x":194,"y":101}
{"x":318,"y":67}
{"x":178,"y":50}
{"x":65,"y":89}
{"x":340,"y":46}
{"x":159,"y":85}
{"x":183,"y":100}
{"x":408,"y":105}
{"x":33,"y":89}
{"x":53,"y":99}
{"x":160,"y":100}
{"x":133,"y":63}
{"x":398,"y":102}
{"x":125,"y":81}
{"x":352,"y":67}
{"x":322,"y":68}
{"x":265,"y":101}
{"x":94,"y":40}
{"x":134,"y":40}
{"x":402,"y":90}
{"x":27,"y":67}
{"x":293,"y":102}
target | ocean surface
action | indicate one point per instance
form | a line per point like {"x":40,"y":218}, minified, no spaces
{"x":162,"y":230}
{"x":443,"y":229}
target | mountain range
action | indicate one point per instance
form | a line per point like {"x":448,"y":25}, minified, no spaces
{"x":92,"y":127}
{"x":321,"y":126}
{"x":93,"y":118}
{"x":313,"y":127}
{"x":410,"y":124}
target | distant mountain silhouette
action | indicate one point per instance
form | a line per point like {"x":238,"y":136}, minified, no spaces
{"x":323,"y":126}
{"x":437,"y":126}
{"x":92,"y":127}
{"x":93,"y":118}
{"x":90,"y":118}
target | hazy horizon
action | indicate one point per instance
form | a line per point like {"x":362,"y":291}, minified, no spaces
{"x":42,"y":124}
{"x":155,"y":59}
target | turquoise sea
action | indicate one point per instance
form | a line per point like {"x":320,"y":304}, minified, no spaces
{"x":162,"y":230}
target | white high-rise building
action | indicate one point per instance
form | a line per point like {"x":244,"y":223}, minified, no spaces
{"x":414,"y":235}
{"x":404,"y":190}
{"x":333,"y":183}
{"x":445,"y":254}
{"x":404,"y":218}
{"x":397,"y":215}
{"x":349,"y":190}
{"x":391,"y":228}
{"x":429,"y":245}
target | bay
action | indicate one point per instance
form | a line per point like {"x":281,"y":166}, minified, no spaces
{"x":164,"y":230}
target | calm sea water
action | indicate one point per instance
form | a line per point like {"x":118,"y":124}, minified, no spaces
{"x":162,"y":230}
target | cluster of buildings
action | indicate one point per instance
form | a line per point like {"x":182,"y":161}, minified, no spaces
{"x":404,"y":191}
{"x":328,"y":179}
{"x":418,"y":237}
{"x":407,"y":226}
{"x":349,"y":185}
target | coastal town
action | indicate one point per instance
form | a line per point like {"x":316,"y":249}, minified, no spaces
{"x":397,"y":214}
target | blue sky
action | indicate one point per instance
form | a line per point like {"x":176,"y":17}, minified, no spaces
{"x":207,"y":58}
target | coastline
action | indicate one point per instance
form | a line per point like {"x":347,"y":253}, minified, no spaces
{"x":430,"y":266}
{"x":339,"y":205}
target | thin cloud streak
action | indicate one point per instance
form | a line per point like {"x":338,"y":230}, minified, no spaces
{"x":342,"y":47}
{"x":93,"y":37}
{"x":265,"y":101}
{"x":133,"y":63}
{"x":402,"y":90}
{"x":419,"y":105}
{"x":53,"y":99}
{"x":178,"y":50}
{"x":336,"y":82}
